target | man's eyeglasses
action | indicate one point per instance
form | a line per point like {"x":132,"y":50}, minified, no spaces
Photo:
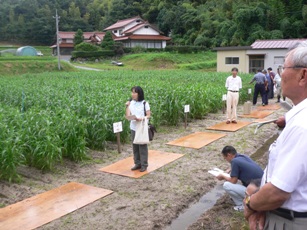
{"x":293,"y":67}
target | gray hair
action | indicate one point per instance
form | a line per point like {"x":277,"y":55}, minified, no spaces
{"x":299,"y":54}
{"x":299,"y":44}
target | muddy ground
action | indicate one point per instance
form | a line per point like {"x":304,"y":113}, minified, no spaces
{"x":154,"y":200}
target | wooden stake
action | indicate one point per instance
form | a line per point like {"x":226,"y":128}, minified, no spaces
{"x":186,"y":120}
{"x":118,"y":143}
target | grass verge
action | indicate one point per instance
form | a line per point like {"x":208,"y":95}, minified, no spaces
{"x":164,"y":60}
{"x":21,"y":65}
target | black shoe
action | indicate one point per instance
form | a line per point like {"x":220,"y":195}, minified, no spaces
{"x":135,"y":167}
{"x":143,"y":169}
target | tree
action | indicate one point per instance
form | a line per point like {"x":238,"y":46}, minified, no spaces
{"x":108,"y":42}
{"x":84,"y":46}
{"x":200,"y":22}
{"x":78,"y":38}
{"x":74,"y":11}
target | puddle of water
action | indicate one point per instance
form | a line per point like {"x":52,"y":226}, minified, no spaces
{"x":191,"y":215}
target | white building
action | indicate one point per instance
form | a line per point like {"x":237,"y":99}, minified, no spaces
{"x":262,"y":54}
{"x":135,"y":31}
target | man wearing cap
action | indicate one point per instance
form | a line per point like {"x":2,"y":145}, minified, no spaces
{"x":282,"y":198}
{"x":233,"y":85}
{"x":260,"y":79}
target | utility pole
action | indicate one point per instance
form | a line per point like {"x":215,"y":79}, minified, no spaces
{"x":57,"y":38}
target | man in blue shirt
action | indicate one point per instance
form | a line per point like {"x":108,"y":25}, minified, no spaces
{"x":243,"y":168}
{"x":259,"y":86}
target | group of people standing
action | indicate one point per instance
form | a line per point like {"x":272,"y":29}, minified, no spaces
{"x":276,"y":198}
{"x":265,"y":80}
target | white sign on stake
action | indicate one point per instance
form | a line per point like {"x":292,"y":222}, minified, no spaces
{"x":224,"y":98}
{"x":249,"y":91}
{"x":187,"y":108}
{"x":117,"y":127}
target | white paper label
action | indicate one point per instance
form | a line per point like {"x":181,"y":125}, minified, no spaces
{"x":117,"y":127}
{"x":249,"y":91}
{"x":187,"y":108}
{"x":224,"y":98}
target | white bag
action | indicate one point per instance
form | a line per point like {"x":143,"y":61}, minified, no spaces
{"x":141,"y":133}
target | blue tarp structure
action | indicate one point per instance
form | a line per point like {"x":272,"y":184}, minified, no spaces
{"x":26,"y":51}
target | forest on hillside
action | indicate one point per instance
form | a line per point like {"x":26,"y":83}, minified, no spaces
{"x":210,"y":23}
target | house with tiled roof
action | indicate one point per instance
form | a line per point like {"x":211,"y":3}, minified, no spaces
{"x":135,"y":32}
{"x":260,"y":55}
{"x":67,"y":41}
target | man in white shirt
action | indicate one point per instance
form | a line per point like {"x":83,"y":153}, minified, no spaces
{"x":233,"y":85}
{"x":277,"y":82}
{"x":282,"y":199}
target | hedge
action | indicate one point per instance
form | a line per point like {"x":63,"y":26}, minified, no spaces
{"x":185,"y":49}
{"x":93,"y":54}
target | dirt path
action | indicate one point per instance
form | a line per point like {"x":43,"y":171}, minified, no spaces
{"x":154,"y":200}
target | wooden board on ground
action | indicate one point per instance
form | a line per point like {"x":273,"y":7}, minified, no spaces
{"x":229,"y":127}
{"x":269,"y":107}
{"x":258,"y":114}
{"x":38,"y":210}
{"x":156,"y":159}
{"x":196,"y":140}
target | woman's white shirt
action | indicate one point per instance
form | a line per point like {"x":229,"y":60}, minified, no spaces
{"x":137,"y":108}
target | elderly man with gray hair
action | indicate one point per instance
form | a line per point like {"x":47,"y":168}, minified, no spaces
{"x":281,"y":202}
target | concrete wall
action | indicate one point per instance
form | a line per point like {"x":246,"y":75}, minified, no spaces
{"x":221,"y":60}
{"x":272,"y":57}
{"x":146,"y":31}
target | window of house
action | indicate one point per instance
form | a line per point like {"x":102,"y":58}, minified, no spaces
{"x":146,"y":27}
{"x":114,"y":31}
{"x":279,"y":60}
{"x":231,"y":60}
{"x":256,"y":62}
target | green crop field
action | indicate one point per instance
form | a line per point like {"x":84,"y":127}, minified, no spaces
{"x":47,"y":117}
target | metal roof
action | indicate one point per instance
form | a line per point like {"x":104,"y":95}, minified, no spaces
{"x":276,"y":44}
{"x":123,"y":23}
{"x":136,"y":27}
{"x":86,"y":35}
{"x":143,"y":37}
{"x":139,"y":26}
{"x":225,"y":48}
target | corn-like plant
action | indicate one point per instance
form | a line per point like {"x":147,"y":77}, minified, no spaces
{"x":46,"y":117}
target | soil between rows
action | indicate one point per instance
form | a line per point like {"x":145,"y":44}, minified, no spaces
{"x":154,"y":200}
